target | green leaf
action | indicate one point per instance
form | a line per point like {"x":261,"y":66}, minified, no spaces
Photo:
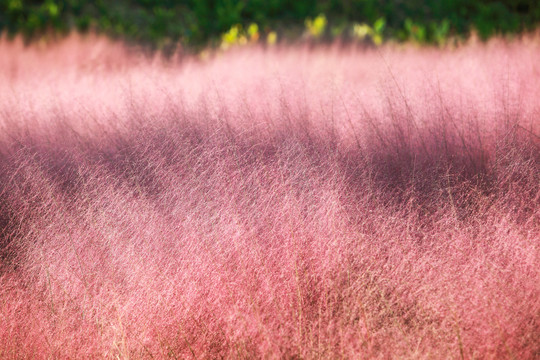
{"x":379,"y":25}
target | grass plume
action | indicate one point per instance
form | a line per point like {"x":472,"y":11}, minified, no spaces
{"x":289,"y":202}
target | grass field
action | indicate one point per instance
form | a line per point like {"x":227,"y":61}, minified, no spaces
{"x":284,"y":202}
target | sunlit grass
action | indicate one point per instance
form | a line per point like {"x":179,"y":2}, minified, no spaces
{"x":283,"y":202}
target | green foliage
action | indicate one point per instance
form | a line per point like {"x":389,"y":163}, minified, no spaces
{"x":237,"y":35}
{"x":317,"y":26}
{"x":374,"y":33}
{"x":440,"y":31}
{"x":202,"y":22}
{"x":415,"y":32}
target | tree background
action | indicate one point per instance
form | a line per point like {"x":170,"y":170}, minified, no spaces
{"x":196,"y":23}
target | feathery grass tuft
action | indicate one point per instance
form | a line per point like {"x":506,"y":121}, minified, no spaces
{"x":270,"y":203}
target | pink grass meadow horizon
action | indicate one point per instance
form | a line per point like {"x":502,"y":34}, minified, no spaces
{"x":285,"y":202}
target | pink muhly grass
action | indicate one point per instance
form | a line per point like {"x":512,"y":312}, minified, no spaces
{"x":287,"y":202}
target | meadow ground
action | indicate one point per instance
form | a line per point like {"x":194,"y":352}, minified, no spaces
{"x":287,"y":202}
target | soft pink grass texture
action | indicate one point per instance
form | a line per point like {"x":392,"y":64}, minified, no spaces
{"x":289,"y":202}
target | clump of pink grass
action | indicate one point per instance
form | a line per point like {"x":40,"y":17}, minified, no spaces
{"x":332,"y":202}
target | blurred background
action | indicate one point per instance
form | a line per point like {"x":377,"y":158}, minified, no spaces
{"x":195,"y":24}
